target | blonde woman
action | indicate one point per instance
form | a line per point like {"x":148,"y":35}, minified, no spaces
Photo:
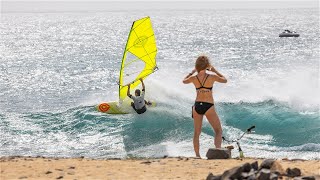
{"x":204,"y":103}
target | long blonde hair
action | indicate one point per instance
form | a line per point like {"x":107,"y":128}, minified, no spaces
{"x":202,"y":63}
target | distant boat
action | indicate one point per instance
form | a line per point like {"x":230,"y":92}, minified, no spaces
{"x":287,"y":33}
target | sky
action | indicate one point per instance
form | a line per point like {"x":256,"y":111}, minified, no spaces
{"x":155,"y":0}
{"x":17,"y":6}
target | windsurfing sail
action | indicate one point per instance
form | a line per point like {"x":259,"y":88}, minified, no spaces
{"x":139,"y":57}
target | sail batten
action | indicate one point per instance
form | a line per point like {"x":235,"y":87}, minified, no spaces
{"x":139,"y":57}
{"x":137,"y":42}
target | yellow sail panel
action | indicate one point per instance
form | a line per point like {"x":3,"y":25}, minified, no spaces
{"x":139,"y":58}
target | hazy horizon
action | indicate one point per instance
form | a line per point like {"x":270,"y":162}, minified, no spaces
{"x":123,"y":5}
{"x":159,"y":1}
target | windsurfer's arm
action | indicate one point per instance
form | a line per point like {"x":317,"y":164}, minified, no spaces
{"x":188,"y":78}
{"x":128,"y":92}
{"x":143,"y":87}
{"x":218,"y":77}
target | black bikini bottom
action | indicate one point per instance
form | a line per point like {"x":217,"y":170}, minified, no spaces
{"x":202,"y":107}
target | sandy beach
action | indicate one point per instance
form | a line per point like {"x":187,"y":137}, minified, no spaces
{"x":165,"y":168}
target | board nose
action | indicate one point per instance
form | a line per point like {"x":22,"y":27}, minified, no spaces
{"x":104,"y":107}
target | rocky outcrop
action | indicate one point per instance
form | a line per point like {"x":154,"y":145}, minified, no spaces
{"x":269,"y":170}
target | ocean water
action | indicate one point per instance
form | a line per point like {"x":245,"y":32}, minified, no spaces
{"x":55,"y":67}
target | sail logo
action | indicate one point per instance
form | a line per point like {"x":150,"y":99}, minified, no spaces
{"x":140,"y":41}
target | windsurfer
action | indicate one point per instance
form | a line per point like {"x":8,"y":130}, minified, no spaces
{"x":138,"y":104}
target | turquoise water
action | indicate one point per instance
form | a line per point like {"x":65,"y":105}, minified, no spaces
{"x":56,"y":67}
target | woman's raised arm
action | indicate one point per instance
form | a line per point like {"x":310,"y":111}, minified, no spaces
{"x":218,"y":77}
{"x":188,"y":79}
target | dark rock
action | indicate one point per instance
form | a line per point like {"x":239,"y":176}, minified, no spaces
{"x":244,"y":175}
{"x":273,"y":165}
{"x":277,"y":173}
{"x":297,"y":178}
{"x":71,"y":173}
{"x":210,"y":175}
{"x":234,"y":173}
{"x":216,"y":178}
{"x":246,"y":167}
{"x":263,"y":174}
{"x":221,"y":153}
{"x":309,"y":178}
{"x":252,"y":177}
{"x":274,"y":176}
{"x":252,"y":171}
{"x":165,"y":156}
{"x":267,"y":164}
{"x":293,"y":172}
{"x":146,"y":162}
{"x":60,"y":177}
{"x":254,"y":165}
{"x":23,"y":177}
{"x":72,"y":167}
{"x":305,"y":178}
{"x":213,"y":177}
{"x":48,"y":172}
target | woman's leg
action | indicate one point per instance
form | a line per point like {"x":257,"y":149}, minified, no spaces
{"x":214,"y":121}
{"x":197,"y":130}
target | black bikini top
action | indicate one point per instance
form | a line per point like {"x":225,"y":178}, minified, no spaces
{"x":210,"y":88}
